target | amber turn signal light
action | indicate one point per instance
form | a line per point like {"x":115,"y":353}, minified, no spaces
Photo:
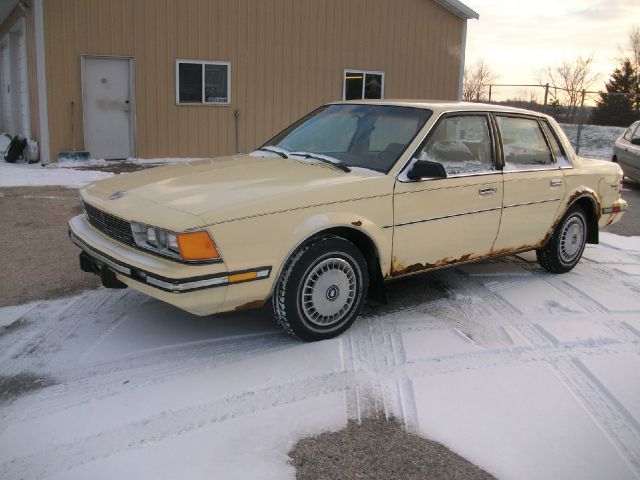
{"x":242,"y":277}
{"x":197,"y":246}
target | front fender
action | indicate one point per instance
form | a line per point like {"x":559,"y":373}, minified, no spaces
{"x":269,"y":240}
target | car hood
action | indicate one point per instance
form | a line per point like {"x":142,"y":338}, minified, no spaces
{"x":239,"y":186}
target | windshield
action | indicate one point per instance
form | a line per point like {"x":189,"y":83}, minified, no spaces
{"x":369,"y":136}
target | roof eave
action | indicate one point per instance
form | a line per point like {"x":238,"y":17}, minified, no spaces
{"x":459,"y":9}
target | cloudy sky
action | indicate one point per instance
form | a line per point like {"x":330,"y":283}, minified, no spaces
{"x":519,"y":37}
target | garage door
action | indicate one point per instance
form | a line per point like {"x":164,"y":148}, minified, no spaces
{"x":14,"y":82}
{"x":23,"y":86}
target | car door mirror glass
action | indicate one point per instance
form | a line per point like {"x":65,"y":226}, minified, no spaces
{"x":426,"y":169}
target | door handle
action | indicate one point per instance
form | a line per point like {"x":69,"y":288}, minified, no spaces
{"x":555,"y":182}
{"x":487,"y":191}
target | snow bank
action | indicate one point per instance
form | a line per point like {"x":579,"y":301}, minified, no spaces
{"x":35,"y":175}
{"x":596,"y":141}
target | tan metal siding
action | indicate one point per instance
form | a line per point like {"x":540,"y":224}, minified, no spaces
{"x":287,"y":57}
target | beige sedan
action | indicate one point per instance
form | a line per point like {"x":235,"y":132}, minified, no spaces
{"x":353,"y":195}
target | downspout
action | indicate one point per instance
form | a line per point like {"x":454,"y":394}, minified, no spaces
{"x":462,"y":55}
{"x":236,"y":114}
{"x":45,"y":156}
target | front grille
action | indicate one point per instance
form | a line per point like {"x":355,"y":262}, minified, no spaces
{"x":112,"y":226}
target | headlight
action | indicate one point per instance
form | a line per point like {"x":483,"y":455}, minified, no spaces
{"x":188,"y":246}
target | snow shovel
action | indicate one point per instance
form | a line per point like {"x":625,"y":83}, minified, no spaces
{"x":75,"y":155}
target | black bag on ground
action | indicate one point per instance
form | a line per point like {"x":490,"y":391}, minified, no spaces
{"x":15,"y":148}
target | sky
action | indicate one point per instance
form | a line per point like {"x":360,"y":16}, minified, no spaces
{"x":518,"y":38}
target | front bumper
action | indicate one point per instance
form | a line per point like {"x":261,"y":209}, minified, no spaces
{"x":201,"y":290}
{"x":174,"y":285}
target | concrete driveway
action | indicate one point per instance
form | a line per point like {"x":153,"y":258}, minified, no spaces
{"x":526,"y":374}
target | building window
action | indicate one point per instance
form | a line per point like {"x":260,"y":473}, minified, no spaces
{"x":362,"y":84}
{"x":204,"y":83}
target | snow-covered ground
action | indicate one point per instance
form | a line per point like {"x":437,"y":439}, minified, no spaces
{"x":527,"y":374}
{"x":596,"y":141}
{"x":36,"y":175}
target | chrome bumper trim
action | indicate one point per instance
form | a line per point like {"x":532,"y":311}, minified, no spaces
{"x":174,"y":285}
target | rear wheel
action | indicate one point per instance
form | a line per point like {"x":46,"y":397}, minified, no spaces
{"x":322,"y":289}
{"x":567,"y":243}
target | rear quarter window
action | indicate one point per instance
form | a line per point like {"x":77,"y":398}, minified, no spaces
{"x":561,"y":157}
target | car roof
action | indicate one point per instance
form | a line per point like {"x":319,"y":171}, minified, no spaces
{"x":441,"y":106}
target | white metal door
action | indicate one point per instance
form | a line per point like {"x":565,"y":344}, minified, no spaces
{"x":108,"y":107}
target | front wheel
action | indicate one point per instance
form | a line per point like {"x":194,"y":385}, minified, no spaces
{"x":322,"y":289}
{"x":567,"y":243}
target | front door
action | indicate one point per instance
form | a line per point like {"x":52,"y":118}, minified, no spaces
{"x":108,"y":112}
{"x":454,"y":219}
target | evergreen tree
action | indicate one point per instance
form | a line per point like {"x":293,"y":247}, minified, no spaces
{"x":619,"y":110}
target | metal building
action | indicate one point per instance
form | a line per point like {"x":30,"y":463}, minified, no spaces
{"x":199,"y":78}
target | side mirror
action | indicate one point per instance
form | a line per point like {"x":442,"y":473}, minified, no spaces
{"x":426,"y":169}
{"x":635,"y":141}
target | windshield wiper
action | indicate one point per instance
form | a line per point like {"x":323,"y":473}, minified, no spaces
{"x":337,"y":164}
{"x":277,"y":152}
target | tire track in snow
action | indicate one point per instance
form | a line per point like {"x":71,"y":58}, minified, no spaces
{"x":604,"y":412}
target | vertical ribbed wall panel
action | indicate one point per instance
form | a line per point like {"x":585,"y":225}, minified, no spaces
{"x":287,"y":58}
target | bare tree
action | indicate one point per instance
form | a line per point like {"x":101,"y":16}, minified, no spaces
{"x":631,"y":51}
{"x":567,"y":81}
{"x":634,"y":46}
{"x":526,"y":96}
{"x":477,"y":78}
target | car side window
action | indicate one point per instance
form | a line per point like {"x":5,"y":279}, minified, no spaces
{"x":628,"y":134}
{"x":558,"y":152}
{"x":636,"y":134}
{"x":523,"y":144}
{"x":462,"y":144}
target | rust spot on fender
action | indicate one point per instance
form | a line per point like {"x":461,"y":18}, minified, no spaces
{"x":357,"y":223}
{"x":595,"y":196}
{"x":250,"y":305}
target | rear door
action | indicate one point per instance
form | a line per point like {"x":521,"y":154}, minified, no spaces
{"x":454,"y":219}
{"x":534,"y":184}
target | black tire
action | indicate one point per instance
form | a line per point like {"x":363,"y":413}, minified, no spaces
{"x":328,"y":261}
{"x":566,"y":245}
{"x":15,"y":149}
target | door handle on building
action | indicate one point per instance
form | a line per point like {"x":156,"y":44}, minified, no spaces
{"x":556,"y":182}
{"x":487,"y":191}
